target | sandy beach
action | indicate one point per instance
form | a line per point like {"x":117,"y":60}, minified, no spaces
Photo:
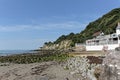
{"x":34,"y":71}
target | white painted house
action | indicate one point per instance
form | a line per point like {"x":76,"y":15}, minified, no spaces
{"x":103,"y":42}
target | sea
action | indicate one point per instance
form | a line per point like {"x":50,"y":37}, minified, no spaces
{"x":10,"y":52}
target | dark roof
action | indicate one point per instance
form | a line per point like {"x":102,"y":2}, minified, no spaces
{"x":97,"y":33}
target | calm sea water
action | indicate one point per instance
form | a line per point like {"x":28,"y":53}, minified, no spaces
{"x":10,"y":52}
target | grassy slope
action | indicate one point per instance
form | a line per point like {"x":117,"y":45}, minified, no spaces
{"x":107,"y":24}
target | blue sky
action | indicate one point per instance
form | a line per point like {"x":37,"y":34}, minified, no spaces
{"x":27,"y":24}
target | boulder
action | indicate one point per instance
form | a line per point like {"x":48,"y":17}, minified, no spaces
{"x":110,"y":66}
{"x":117,"y":49}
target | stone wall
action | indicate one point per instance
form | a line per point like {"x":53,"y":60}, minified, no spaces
{"x":111,"y":66}
{"x":81,"y":69}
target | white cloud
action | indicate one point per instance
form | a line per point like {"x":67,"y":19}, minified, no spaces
{"x":21,"y":44}
{"x":14,"y":43}
{"x":49,"y":26}
{"x":13,"y":28}
{"x":67,"y":25}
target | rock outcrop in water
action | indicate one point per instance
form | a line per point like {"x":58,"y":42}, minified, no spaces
{"x":111,"y":66}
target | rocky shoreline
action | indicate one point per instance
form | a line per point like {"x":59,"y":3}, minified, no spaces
{"x":50,"y":70}
{"x":57,"y":65}
{"x":35,"y":71}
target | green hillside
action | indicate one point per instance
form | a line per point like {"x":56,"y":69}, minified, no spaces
{"x":107,"y":24}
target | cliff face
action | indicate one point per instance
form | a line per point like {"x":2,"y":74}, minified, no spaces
{"x":62,"y":45}
{"x":107,"y":24}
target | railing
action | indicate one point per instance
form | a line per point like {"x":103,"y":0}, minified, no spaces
{"x":80,"y":44}
{"x":113,"y":42}
{"x":110,"y":42}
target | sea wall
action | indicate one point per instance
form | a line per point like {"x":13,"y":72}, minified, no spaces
{"x":101,"y":47}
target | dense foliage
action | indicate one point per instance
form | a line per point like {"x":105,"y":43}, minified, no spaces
{"x":107,"y":24}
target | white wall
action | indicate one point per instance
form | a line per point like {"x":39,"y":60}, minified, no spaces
{"x":112,"y":46}
{"x":118,"y":31}
{"x":94,"y":48}
{"x":100,"y":47}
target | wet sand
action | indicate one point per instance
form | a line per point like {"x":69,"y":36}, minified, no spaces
{"x":34,"y":71}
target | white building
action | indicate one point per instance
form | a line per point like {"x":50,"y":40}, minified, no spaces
{"x":104,"y":42}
